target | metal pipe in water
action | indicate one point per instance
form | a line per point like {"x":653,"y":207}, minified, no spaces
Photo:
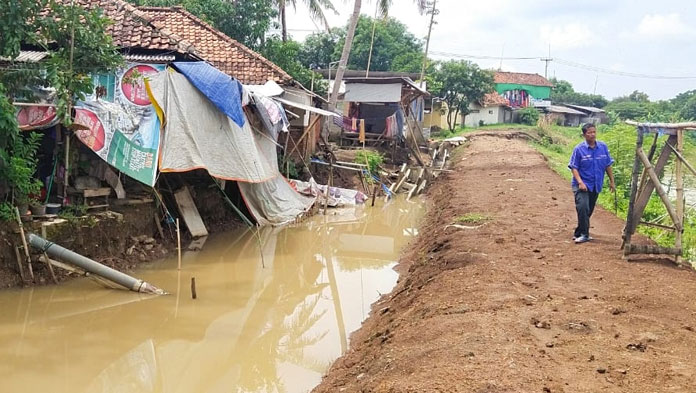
{"x":55,"y":251}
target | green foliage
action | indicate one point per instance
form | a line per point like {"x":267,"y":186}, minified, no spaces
{"x":318,"y":50}
{"x":76,"y":45}
{"x":246,"y":21}
{"x":473,"y":218}
{"x":371,"y":158}
{"x":563,"y":93}
{"x":285,"y":54}
{"x":459,"y":83}
{"x":394,"y":49}
{"x":7,"y":212}
{"x":73,"y":211}
{"x":529,"y":116}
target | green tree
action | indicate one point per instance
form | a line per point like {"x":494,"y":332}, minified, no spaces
{"x":318,"y":49}
{"x":246,"y":21}
{"x":285,"y":54}
{"x":348,"y":42}
{"x":76,"y":45}
{"x":459,"y":83}
{"x":316,"y":12}
{"x":563,"y":93}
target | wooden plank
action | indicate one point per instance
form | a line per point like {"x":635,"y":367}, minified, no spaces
{"x":630,"y":226}
{"x":660,"y":191}
{"x":680,"y":193}
{"x":189,"y":213}
{"x":650,"y":249}
{"x":642,"y":198}
{"x":96,"y":192}
{"x":64,"y":266}
{"x":401,"y":181}
{"x":660,"y":226}
{"x":402,"y":172}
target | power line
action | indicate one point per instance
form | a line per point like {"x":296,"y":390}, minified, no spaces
{"x":568,"y":63}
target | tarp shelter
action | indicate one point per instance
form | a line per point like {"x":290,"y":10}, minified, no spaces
{"x":198,"y":135}
{"x":390,"y":108}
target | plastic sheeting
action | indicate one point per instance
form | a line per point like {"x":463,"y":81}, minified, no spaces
{"x":273,"y":202}
{"x":371,"y":92}
{"x":220,"y":88}
{"x":337,"y":196}
{"x":199,"y":136}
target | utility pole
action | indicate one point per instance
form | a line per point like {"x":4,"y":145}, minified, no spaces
{"x":547,"y":60}
{"x":372,"y":41}
{"x":502,"y":53}
{"x":433,"y":12}
{"x":595,"y":84}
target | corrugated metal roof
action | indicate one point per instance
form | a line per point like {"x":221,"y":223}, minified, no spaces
{"x":26,"y":56}
{"x":563,"y":109}
{"x":584,"y":108}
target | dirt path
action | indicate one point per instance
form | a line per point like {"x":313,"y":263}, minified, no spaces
{"x":515,"y":306}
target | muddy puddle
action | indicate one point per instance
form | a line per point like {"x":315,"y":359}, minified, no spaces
{"x":253,"y":328}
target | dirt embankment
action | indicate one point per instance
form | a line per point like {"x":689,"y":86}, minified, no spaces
{"x":508,"y":303}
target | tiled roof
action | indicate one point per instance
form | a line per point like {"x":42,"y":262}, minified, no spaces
{"x":223,"y":52}
{"x":133,"y":29}
{"x":521,"y":79}
{"x":493,"y":99}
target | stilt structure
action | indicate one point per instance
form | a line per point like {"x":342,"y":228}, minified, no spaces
{"x":646,"y":179}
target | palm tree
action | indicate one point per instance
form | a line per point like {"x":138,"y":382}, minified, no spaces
{"x":316,"y":12}
{"x":383,"y":10}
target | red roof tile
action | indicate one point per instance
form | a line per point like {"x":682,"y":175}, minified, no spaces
{"x":521,"y":79}
{"x":223,"y":52}
{"x":133,"y":29}
{"x":493,"y":99}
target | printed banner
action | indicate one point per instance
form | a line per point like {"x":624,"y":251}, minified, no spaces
{"x":125,"y":133}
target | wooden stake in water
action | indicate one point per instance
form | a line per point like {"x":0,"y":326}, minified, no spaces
{"x":178,"y":243}
{"x":193,"y":288}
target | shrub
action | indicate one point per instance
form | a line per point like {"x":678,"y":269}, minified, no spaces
{"x":529,"y":116}
{"x":371,"y":158}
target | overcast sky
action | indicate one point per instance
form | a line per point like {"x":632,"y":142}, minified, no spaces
{"x":632,"y":36}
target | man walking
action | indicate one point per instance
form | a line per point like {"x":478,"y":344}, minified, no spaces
{"x":588,"y":163}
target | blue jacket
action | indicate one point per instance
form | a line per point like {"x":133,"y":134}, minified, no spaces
{"x":591,"y":163}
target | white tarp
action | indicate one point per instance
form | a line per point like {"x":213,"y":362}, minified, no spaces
{"x":199,"y":136}
{"x":273,"y":202}
{"x":370,"y":92}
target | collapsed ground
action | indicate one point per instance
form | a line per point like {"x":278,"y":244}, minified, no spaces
{"x":507,"y":303}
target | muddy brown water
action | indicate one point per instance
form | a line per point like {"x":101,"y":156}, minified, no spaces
{"x":252,"y":328}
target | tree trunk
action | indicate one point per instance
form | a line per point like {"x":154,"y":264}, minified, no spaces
{"x":345,"y":54}
{"x":283,"y":23}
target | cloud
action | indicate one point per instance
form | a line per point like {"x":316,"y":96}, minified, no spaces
{"x":658,"y":26}
{"x":568,"y":36}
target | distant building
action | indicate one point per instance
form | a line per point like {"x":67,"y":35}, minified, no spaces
{"x":563,"y":115}
{"x":521,"y":90}
{"x":591,"y":114}
{"x":492,"y":109}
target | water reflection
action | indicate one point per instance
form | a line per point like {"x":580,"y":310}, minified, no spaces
{"x":252,"y":329}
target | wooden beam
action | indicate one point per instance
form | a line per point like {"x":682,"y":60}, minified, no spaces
{"x":650,"y":249}
{"x":683,"y":160}
{"x":663,"y":125}
{"x":660,"y":191}
{"x":680,"y":193}
{"x":644,"y":195}
{"x":660,"y":226}
{"x":630,"y":225}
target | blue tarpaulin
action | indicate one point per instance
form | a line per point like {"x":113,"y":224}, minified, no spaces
{"x":222,"y":90}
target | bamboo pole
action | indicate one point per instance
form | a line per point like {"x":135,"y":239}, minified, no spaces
{"x":680,"y":194}
{"x":628,"y":229}
{"x":24,"y":243}
{"x":178,"y":244}
{"x":683,"y":160}
{"x":660,"y":191}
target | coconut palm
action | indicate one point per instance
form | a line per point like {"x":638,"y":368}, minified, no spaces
{"x":383,"y":6}
{"x":316,"y":12}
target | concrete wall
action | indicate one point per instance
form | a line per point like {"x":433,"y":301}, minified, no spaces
{"x":489,"y":115}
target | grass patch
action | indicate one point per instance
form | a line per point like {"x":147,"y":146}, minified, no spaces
{"x":473,"y":218}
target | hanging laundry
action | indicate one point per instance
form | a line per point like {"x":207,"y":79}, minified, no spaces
{"x":361,"y":136}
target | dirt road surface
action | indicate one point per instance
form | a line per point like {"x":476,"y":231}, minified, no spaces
{"x":514,"y":305}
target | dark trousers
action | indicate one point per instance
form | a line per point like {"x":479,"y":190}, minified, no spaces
{"x":584,"y":205}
